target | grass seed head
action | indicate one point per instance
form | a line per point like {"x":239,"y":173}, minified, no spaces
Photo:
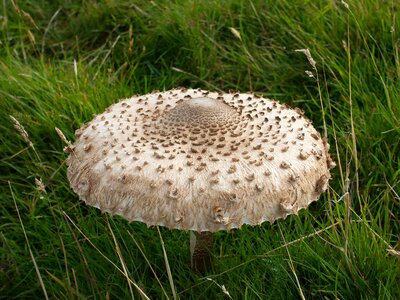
{"x":307,"y":52}
{"x":40,"y":185}
{"x":21,"y":130}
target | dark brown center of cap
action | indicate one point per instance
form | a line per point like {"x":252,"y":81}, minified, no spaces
{"x":199,"y":112}
{"x":201,"y":121}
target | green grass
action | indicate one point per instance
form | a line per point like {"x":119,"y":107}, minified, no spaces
{"x":63,"y":61}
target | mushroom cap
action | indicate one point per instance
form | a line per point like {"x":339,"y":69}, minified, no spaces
{"x":197,"y":160}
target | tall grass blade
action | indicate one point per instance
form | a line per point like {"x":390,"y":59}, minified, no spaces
{"x":29,"y":246}
{"x":171,"y":280}
{"x":142,"y":293}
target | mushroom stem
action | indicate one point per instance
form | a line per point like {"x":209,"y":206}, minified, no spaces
{"x":201,"y":250}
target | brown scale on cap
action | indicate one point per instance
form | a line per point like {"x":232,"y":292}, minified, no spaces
{"x":180,"y":151}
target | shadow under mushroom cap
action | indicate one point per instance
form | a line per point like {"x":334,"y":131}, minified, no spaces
{"x":198,"y":160}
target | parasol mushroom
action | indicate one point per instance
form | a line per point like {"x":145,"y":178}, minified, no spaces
{"x":202,"y":161}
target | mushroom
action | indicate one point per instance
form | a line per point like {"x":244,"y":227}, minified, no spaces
{"x":202,"y":161}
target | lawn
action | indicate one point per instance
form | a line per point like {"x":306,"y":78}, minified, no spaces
{"x":61,"y":62}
